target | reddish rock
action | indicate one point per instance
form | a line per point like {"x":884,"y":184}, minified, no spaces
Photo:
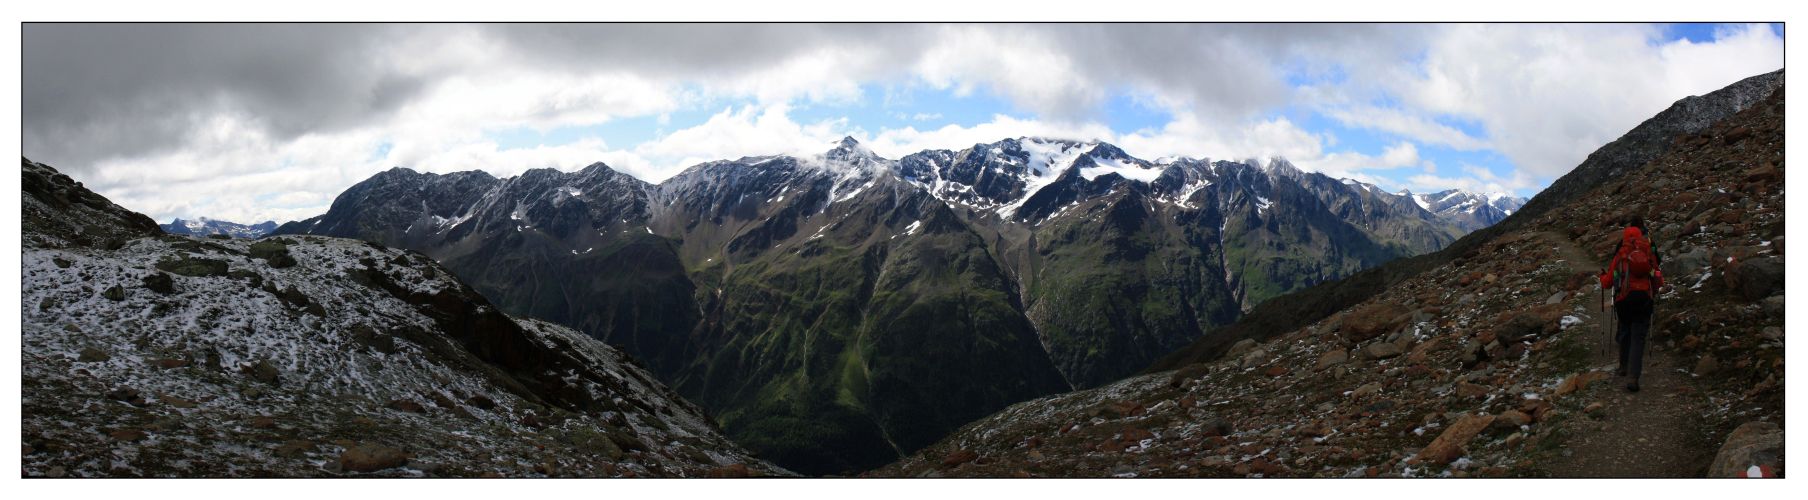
{"x":1373,"y":321}
{"x":958,"y":457}
{"x":1452,"y":443}
{"x":371,"y":457}
{"x":408,"y":406}
{"x":1135,"y":434}
{"x":168,"y":364}
{"x":127,"y":435}
{"x":1469,"y":390}
{"x":1511,"y":420}
{"x":1539,"y":409}
{"x":1126,"y":408}
{"x":1276,"y":371}
{"x":1578,"y":382}
{"x":294,"y":448}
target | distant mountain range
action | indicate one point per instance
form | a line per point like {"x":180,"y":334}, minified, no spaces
{"x":838,"y":310}
{"x":204,"y":226}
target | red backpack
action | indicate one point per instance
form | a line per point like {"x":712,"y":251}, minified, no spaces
{"x":1636,"y":269}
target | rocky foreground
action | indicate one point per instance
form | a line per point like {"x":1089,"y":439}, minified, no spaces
{"x":1490,"y":365}
{"x":153,"y":355}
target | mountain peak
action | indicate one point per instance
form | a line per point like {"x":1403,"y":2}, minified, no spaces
{"x":852,"y":151}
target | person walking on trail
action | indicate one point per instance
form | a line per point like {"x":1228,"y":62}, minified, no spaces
{"x":1634,"y":277}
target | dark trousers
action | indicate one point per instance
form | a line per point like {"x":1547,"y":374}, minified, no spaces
{"x":1635,"y":324}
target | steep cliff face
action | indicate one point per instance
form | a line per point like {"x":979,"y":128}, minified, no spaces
{"x":167,"y":355}
{"x":1493,"y":362}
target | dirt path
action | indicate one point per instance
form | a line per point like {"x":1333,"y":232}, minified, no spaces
{"x":1650,"y":433}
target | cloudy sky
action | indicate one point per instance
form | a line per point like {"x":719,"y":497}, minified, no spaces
{"x":256,"y":122}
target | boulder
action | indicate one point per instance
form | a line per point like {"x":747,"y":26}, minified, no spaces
{"x":193,"y":266}
{"x":1675,"y":267}
{"x":93,"y":355}
{"x":371,"y":457}
{"x":1381,"y":350}
{"x":958,"y":457}
{"x":1331,"y":358}
{"x":1451,"y":444}
{"x":1468,"y":390}
{"x":1578,"y":382}
{"x":1706,"y":366}
{"x":115,"y":293}
{"x":1242,"y":346}
{"x":1366,"y":389}
{"x":160,"y":283}
{"x":263,"y":371}
{"x":1510,"y":420}
{"x":1756,"y":278}
{"x":1773,"y":305}
{"x":1373,"y":321}
{"x":294,"y":448}
{"x":1253,"y":358}
{"x":274,"y":252}
{"x":406,"y":406}
{"x":1752,"y":445}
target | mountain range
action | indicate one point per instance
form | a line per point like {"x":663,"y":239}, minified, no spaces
{"x":1490,"y":358}
{"x":838,"y":310}
{"x":203,"y":226}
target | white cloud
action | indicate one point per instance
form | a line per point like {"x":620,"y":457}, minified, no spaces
{"x":1400,"y":122}
{"x":1477,"y":180}
{"x":280,"y":144}
{"x":1548,"y":95}
{"x":895,"y":143}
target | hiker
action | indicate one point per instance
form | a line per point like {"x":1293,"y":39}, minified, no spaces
{"x":1634,"y":276}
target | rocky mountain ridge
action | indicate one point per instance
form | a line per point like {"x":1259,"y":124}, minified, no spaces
{"x":157,"y":355}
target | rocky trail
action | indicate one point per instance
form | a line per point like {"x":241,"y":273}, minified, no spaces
{"x":1651,"y":433}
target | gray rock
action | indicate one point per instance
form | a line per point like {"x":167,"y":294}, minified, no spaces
{"x":1773,"y":305}
{"x":1254,"y":358}
{"x":1755,"y":279}
{"x":1556,"y":298}
{"x":1753,"y":444}
{"x":1332,"y":358}
{"x":1675,"y":267}
{"x":1242,"y":346}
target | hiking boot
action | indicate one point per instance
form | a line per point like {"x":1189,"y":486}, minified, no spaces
{"x":1632,"y":386}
